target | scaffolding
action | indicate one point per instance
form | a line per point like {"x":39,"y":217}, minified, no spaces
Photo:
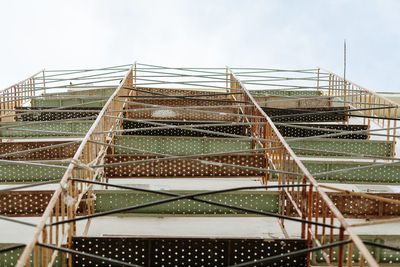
{"x":77,"y":133}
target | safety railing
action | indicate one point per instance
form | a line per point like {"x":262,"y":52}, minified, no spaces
{"x":288,"y":169}
{"x":16,"y":96}
{"x":67,"y":198}
{"x":371,"y":106}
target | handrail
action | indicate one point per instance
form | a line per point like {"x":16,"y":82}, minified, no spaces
{"x":360,"y":97}
{"x":278,"y":161}
{"x":23,"y":81}
{"x":361,"y":87}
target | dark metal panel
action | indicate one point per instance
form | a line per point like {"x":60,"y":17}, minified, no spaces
{"x":230,"y":129}
{"x":35,"y":113}
{"x":28,"y":203}
{"x":316,"y":114}
{"x":187,"y":251}
{"x":288,"y":131}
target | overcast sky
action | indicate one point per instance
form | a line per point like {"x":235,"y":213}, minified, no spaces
{"x":277,"y":34}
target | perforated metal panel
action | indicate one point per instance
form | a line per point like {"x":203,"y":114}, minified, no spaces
{"x":187,"y":251}
{"x":357,"y":206}
{"x":298,"y":132}
{"x":230,"y":129}
{"x":178,"y":102}
{"x":53,"y":127}
{"x":219,"y":114}
{"x":28,"y":203}
{"x":182,"y":92}
{"x":381,"y":255}
{"x":61,"y":102}
{"x":210,"y":114}
{"x":25,"y":114}
{"x":380,"y":175}
{"x":285,"y":92}
{"x":9,"y":258}
{"x":183,"y":167}
{"x":62,"y":152}
{"x":368,"y":147}
{"x":180,"y":145}
{"x":258,"y":200}
{"x":24,"y":203}
{"x":280,"y":114}
{"x":293,"y":102}
{"x":18,"y":173}
{"x":82,"y":91}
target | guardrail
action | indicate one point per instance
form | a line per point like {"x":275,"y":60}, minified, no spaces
{"x":372,"y":106}
{"x":69,"y":194}
{"x":16,"y":96}
{"x":284,"y":163}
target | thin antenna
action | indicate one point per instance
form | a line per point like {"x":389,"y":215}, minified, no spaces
{"x":344,"y":62}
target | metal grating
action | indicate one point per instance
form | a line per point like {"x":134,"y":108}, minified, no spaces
{"x":186,"y":251}
{"x":258,"y":200}
{"x":61,"y":152}
{"x":230,"y":129}
{"x":288,"y":131}
{"x":181,"y":168}
{"x":281,"y":114}
{"x":35,"y":113}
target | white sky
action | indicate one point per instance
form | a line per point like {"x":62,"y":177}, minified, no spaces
{"x":277,"y":34}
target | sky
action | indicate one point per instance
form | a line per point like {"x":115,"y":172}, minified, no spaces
{"x":204,"y":33}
